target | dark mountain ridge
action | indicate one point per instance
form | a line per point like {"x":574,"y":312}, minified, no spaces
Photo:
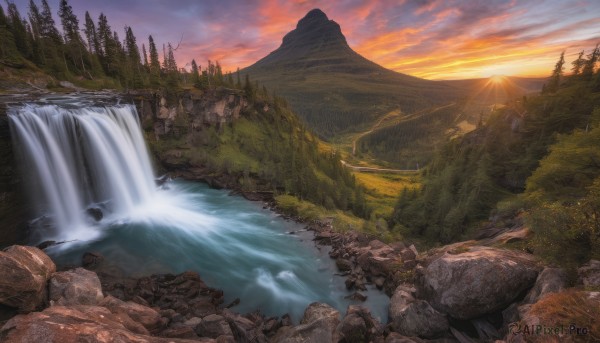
{"x":332,"y":87}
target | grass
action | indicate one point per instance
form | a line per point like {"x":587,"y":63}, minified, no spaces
{"x":383,"y":190}
{"x":308,"y":211}
{"x":566,"y":308}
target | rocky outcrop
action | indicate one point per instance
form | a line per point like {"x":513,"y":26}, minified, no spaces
{"x":318,"y":324}
{"x":364,"y":260}
{"x":74,"y":324}
{"x":550,"y":280}
{"x":146,"y":316}
{"x":190,"y":110}
{"x":476,"y":282}
{"x":358,"y":325}
{"x":589,"y":274}
{"x":24,"y":274}
{"x":415,"y":317}
{"x":75,"y":287}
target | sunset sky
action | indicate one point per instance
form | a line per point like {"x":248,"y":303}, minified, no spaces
{"x":433,"y":39}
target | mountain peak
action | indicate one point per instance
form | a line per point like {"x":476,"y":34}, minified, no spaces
{"x":314,"y":16}
{"x":314,"y":31}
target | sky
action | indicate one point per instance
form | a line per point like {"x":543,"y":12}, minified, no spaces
{"x":432,"y":39}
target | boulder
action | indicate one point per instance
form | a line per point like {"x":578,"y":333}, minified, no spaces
{"x":24,"y":274}
{"x":213,"y":326}
{"x":75,"y":287}
{"x":353,"y":329}
{"x":550,"y":280}
{"x":589,"y":274}
{"x":318,"y":324}
{"x":244,"y":329}
{"x":91,"y":324}
{"x":477,"y":281}
{"x":414,"y":317}
{"x":358,"y":325}
{"x":95,"y":213}
{"x":146,"y":316}
{"x":343,"y":264}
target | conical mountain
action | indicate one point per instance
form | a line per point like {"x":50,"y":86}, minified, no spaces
{"x":333,"y":88}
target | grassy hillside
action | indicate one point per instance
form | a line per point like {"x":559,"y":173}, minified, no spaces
{"x":266,"y":150}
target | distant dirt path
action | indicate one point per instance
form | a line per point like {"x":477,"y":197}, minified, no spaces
{"x":374,"y":127}
{"x":378,"y":170}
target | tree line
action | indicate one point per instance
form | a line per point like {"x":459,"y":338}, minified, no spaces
{"x":538,"y":156}
{"x":93,"y":51}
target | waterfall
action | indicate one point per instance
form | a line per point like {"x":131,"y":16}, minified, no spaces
{"x":77,"y":158}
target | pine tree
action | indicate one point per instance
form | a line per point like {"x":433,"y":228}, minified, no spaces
{"x":154,"y":63}
{"x":195,"y":74}
{"x":47,"y":25}
{"x":590,"y":63}
{"x":109,"y":54}
{"x":578,"y":63}
{"x":70,"y":23}
{"x":19,"y":30}
{"x":91,"y":34}
{"x":8,"y":50}
{"x":133,"y":56}
{"x":556,"y":74}
{"x":35,"y":19}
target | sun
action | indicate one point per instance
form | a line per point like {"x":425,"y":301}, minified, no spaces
{"x":497,"y":79}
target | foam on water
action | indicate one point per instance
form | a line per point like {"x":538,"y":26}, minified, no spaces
{"x":95,"y":157}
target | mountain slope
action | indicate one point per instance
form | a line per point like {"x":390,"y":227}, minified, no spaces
{"x":334,"y":88}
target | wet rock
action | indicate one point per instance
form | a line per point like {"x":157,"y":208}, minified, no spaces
{"x":343,"y":264}
{"x":379,"y":281}
{"x":95,"y":213}
{"x":213,"y":326}
{"x":476,"y":282}
{"x":414,"y":317}
{"x":245,"y":329}
{"x":24,"y":274}
{"x":75,"y":287}
{"x":589,"y":274}
{"x":356,"y":296}
{"x":318,"y":324}
{"x":550,"y":280}
{"x":286,"y":320}
{"x":91,"y":260}
{"x":46,"y":244}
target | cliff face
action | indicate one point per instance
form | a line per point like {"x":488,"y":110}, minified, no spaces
{"x":190,"y":110}
{"x":12,"y":204}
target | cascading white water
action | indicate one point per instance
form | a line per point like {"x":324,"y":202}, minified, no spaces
{"x":75,"y":158}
